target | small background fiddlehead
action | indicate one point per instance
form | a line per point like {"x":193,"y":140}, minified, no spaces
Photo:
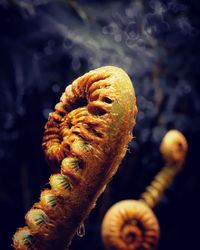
{"x":131,"y":224}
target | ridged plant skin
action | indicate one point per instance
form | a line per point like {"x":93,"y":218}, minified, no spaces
{"x":85,"y":139}
{"x":131,"y":224}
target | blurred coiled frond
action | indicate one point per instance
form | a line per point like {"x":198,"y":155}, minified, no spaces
{"x":132,"y":225}
{"x":173,"y":149}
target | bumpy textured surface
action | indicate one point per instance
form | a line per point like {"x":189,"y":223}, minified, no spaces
{"x":84,"y":142}
{"x":130,"y":225}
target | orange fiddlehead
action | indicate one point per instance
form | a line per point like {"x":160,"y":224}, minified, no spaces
{"x":173,"y":149}
{"x":131,"y":224}
{"x":84,"y":142}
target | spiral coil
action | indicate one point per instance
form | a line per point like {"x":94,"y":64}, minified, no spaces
{"x":84,"y":142}
{"x":173,"y":149}
{"x":131,"y":224}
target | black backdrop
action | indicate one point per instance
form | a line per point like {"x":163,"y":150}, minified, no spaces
{"x":44,"y":45}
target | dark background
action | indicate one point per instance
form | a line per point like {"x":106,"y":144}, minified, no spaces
{"x":44,"y":45}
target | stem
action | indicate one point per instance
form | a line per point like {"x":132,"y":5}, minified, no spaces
{"x":153,"y":193}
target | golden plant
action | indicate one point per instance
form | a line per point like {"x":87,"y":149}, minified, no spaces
{"x":132,"y":224}
{"x":84,"y":142}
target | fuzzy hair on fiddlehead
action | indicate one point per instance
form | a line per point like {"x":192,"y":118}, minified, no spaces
{"x":84,"y":141}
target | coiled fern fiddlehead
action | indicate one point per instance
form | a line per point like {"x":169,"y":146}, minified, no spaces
{"x":132,"y":224}
{"x":84,"y":142}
